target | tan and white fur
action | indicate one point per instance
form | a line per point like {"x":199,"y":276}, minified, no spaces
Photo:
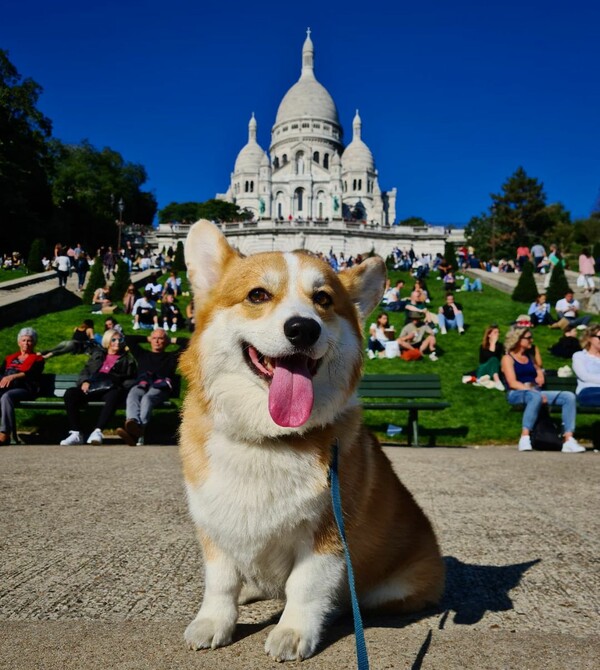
{"x":272,"y":329}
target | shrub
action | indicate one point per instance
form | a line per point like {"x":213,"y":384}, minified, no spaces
{"x":36,"y":253}
{"x":558,"y":284}
{"x":450,"y":256}
{"x":96,"y":280}
{"x":121,"y":281}
{"x":178,"y":264}
{"x":526,"y":289}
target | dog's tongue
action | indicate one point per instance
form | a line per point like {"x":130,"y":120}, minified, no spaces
{"x":291,"y":392}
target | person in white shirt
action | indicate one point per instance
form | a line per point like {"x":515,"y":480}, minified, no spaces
{"x":62,"y":264}
{"x":586,"y":365}
{"x":568,"y":308}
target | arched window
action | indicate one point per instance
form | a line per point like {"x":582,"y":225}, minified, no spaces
{"x":316,"y":157}
{"x":246,"y":187}
{"x":252,"y":187}
{"x":326,"y":161}
{"x":360,"y":184}
{"x":354,"y":184}
{"x":284,"y":159}
{"x":298,"y":200}
{"x":276,"y":162}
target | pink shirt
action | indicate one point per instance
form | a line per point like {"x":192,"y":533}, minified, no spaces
{"x":109,"y":362}
{"x":586,"y":265}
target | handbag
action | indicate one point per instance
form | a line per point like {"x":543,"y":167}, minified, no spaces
{"x":546,"y":434}
{"x":100,"y":383}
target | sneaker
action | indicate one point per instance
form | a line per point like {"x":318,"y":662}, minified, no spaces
{"x":443,"y":331}
{"x":468,"y":379}
{"x":136,"y":326}
{"x":174,"y":328}
{"x":525,"y":443}
{"x":489,"y":384}
{"x":371,"y":354}
{"x":96,"y":437}
{"x":499,"y":386}
{"x":433,"y":356}
{"x":461,"y":331}
{"x":140,"y":442}
{"x":73,"y":438}
{"x":483,"y":379}
{"x":571,"y":446}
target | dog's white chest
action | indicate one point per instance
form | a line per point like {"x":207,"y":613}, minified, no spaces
{"x":258,"y":501}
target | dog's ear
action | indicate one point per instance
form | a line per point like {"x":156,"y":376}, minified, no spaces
{"x":206,"y":254}
{"x":365,"y":283}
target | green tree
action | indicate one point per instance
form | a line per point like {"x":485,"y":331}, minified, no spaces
{"x":96,"y":280}
{"x":25,"y":159}
{"x":558,"y":285}
{"x":526,"y":289}
{"x":178,"y":264}
{"x":36,"y":253}
{"x":213,"y":210}
{"x":88,"y":185}
{"x":415,"y":221}
{"x":121,"y":281}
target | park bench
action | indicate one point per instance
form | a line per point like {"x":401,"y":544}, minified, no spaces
{"x":411,"y":393}
{"x":54,"y":386}
{"x":554,"y":383}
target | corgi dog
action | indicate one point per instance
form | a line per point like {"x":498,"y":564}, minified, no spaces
{"x":272,"y":370}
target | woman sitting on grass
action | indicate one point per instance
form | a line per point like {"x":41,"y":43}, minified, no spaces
{"x":377,"y":336}
{"x":82,"y":341}
{"x":525,"y":379}
{"x":490,"y":355}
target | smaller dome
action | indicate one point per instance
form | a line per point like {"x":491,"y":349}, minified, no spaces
{"x":357,"y":155}
{"x":251,"y":156}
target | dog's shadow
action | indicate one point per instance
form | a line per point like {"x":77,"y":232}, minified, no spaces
{"x":471,"y":591}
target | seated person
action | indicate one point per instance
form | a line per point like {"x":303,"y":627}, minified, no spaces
{"x":170,"y":313}
{"x":568,"y":308}
{"x":567,"y":345}
{"x":472,"y":285}
{"x":101,"y":299}
{"x":144,"y":312}
{"x":419,"y":299}
{"x":490,"y":356}
{"x":418,"y":335}
{"x":525,"y":380}
{"x":173,"y":284}
{"x":394,"y":301}
{"x":154,"y":288}
{"x":104,"y":376}
{"x":449,"y":281}
{"x":81,"y":342}
{"x":377,"y":335}
{"x":539,"y":312}
{"x":19,"y":380}
{"x":156,"y":372}
{"x":444,"y":267}
{"x":586,"y":365}
{"x":451,"y":316}
{"x":129,"y":298}
{"x":190,"y":316}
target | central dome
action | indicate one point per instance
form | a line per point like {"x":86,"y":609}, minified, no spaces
{"x":307,"y":97}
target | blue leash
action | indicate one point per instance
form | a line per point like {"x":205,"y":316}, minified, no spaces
{"x":336,"y":502}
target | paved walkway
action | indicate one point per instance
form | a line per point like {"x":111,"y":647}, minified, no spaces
{"x":100,"y":568}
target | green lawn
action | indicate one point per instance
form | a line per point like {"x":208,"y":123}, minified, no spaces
{"x":477,"y":415}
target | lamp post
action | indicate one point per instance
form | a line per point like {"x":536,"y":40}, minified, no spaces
{"x":121,"y":207}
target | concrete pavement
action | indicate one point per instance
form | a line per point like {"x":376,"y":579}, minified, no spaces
{"x":100,"y":568}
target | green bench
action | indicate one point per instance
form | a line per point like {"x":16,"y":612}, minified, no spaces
{"x":554,"y":383}
{"x":54,"y":386}
{"x":403,"y":392}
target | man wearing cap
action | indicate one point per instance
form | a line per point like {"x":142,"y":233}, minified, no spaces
{"x":418,"y":335}
{"x":568,"y":308}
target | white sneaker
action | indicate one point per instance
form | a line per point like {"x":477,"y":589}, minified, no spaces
{"x":525,"y":443}
{"x":371,"y":354}
{"x":571,"y":446}
{"x":96,"y":437}
{"x":140,"y":442}
{"x":499,"y":386}
{"x":468,"y":379}
{"x":73,"y":438}
{"x":461,"y":331}
{"x":443,"y":331}
{"x":174,"y":328}
{"x":433,"y":356}
{"x":136,"y":326}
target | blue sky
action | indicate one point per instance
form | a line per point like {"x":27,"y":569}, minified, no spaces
{"x":453,"y":96}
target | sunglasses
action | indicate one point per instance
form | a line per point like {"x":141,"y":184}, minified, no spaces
{"x":527,"y":337}
{"x":115,"y":339}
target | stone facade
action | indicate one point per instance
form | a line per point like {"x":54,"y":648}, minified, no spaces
{"x":308,"y":174}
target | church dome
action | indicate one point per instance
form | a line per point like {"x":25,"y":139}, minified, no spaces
{"x":251,"y":156}
{"x":357,"y":155}
{"x":307,"y":98}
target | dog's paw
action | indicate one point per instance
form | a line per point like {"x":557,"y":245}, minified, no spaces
{"x":289,"y":644}
{"x":207,"y":634}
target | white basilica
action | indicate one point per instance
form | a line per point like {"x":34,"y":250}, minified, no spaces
{"x":308,"y":174}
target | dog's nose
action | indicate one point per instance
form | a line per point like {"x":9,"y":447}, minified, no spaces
{"x":302,"y":332}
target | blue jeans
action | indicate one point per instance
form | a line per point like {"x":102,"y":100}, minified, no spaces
{"x":472,"y":285}
{"x":589,"y":397}
{"x":447,"y":324}
{"x":533,"y":401}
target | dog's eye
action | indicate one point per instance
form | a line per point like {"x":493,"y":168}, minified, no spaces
{"x":322,"y":298}
{"x":258,"y":295}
